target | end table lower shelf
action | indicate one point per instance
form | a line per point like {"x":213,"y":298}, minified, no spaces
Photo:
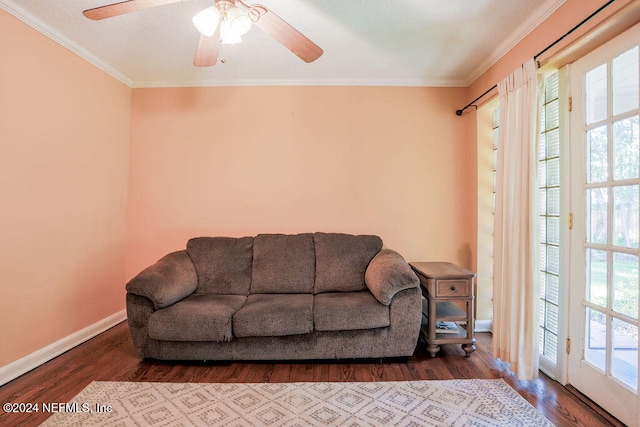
{"x":458,"y":335}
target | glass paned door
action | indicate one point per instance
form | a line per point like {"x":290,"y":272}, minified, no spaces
{"x":605,"y":266}
{"x":549,"y":223}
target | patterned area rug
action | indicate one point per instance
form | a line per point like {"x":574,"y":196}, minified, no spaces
{"x":407,"y":403}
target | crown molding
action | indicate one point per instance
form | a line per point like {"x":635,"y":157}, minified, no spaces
{"x":311,"y":82}
{"x":547,"y":9}
{"x":65,"y":42}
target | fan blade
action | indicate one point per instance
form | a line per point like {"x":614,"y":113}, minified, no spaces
{"x":124,"y":7}
{"x":284,"y":33}
{"x":208,"y":49}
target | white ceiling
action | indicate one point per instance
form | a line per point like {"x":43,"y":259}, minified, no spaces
{"x":365,"y":42}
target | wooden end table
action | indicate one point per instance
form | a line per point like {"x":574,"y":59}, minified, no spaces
{"x":448,"y":290}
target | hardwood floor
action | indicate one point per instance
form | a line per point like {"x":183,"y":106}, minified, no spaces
{"x":111,"y":357}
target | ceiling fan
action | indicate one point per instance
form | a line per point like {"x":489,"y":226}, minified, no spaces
{"x":223,"y":22}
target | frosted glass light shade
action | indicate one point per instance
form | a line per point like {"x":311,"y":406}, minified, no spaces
{"x":227,"y":35}
{"x":240,"y":23}
{"x":207,"y":21}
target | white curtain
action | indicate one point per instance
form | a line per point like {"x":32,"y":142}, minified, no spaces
{"x":515,"y":270}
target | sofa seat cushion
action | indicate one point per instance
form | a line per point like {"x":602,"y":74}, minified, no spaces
{"x":274,"y":315}
{"x":338,"y":311}
{"x":341,"y":260}
{"x":223,"y":264}
{"x":201,"y":317}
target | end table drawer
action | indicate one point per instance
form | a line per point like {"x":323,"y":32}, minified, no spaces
{"x":452,"y":288}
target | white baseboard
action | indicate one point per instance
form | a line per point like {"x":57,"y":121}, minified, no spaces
{"x":21,"y":366}
{"x":483,"y":326}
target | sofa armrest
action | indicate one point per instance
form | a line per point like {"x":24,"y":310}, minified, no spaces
{"x":387,"y":274}
{"x":166,"y":282}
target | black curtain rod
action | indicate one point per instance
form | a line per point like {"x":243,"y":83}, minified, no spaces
{"x":581,"y":23}
{"x":459,"y":112}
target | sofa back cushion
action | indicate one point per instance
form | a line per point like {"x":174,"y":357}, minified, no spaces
{"x":341,"y":260}
{"x":283,"y":264}
{"x":223,"y":264}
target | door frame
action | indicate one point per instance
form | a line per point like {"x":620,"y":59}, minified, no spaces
{"x":625,"y":405}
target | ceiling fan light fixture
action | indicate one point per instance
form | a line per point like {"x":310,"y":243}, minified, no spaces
{"x":223,"y":22}
{"x":206,"y":21}
{"x":240,"y":23}
{"x":227,"y":34}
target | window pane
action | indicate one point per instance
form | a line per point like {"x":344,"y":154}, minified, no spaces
{"x":552,"y":318}
{"x":553,"y":259}
{"x":597,"y":171}
{"x":625,"y":148}
{"x":542,"y":205}
{"x":553,"y":230}
{"x":625,"y":216}
{"x":553,"y":172}
{"x":553,"y":201}
{"x":553,"y":288}
{"x":553,"y":143}
{"x":551,"y":115}
{"x":597,"y":202}
{"x":551,"y":345}
{"x":625,"y":81}
{"x":596,"y":336}
{"x":541,"y":340}
{"x":624,"y":365}
{"x":542,"y":174}
{"x":542,"y":253}
{"x":542,"y":233}
{"x":551,"y":87}
{"x":596,"y":277}
{"x":625,"y":284}
{"x":596,"y":89}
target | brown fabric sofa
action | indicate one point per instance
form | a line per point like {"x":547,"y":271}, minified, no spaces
{"x":276,"y":297}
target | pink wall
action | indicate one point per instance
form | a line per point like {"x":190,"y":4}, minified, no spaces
{"x":64,"y":136}
{"x":246,"y":160}
{"x":214,"y":161}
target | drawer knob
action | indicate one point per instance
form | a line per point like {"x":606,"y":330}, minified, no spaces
{"x":453,"y":288}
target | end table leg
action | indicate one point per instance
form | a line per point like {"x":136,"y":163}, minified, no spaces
{"x":433,"y":349}
{"x":469,"y":348}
